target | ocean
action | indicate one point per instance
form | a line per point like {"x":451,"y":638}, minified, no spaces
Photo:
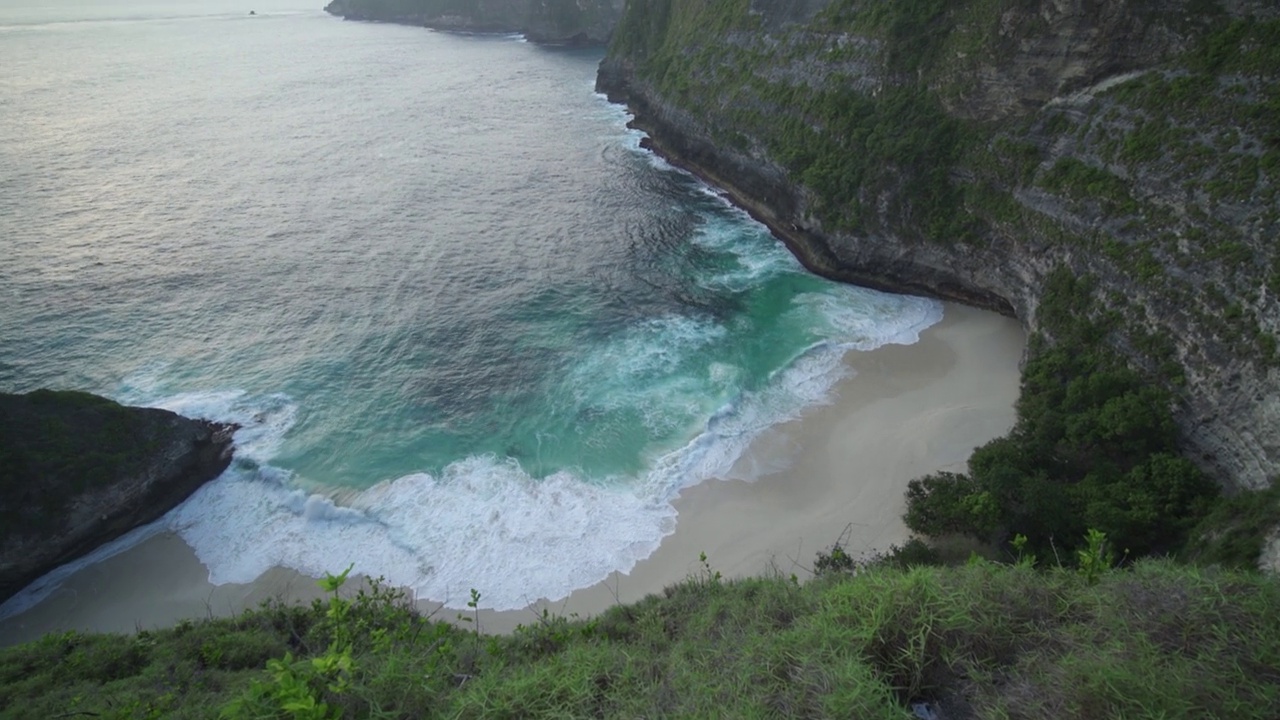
{"x":475,"y":336}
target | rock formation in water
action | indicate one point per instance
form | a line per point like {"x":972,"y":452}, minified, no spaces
{"x":561,"y":22}
{"x":976,"y":149}
{"x":77,"y":471}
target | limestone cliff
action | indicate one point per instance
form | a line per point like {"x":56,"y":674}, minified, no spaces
{"x":970,"y":149}
{"x":77,"y":471}
{"x":574,"y":22}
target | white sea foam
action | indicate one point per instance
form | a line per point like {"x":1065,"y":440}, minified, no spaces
{"x":652,"y":349}
{"x":632,"y":139}
{"x":861,"y":320}
{"x":805,"y":383}
{"x":865,"y":319}
{"x":753,"y":260}
{"x":483,"y":522}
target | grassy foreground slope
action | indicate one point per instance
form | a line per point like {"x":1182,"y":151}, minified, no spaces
{"x":1157,"y":640}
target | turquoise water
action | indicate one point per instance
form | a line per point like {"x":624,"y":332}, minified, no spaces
{"x":475,"y":336}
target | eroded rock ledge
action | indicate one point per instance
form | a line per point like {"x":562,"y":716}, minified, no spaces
{"x":78,"y":470}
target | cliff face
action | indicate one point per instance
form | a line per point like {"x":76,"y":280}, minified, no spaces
{"x":77,"y":471}
{"x":970,"y":149}
{"x":576,"y":22}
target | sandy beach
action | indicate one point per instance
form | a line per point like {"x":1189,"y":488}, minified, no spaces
{"x":905,"y":411}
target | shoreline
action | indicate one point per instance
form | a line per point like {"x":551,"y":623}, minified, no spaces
{"x":905,"y":411}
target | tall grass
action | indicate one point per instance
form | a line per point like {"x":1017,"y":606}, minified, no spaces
{"x":1156,"y":640}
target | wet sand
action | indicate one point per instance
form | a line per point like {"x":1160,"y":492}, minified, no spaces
{"x":840,"y":470}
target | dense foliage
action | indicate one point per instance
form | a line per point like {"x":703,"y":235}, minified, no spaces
{"x":843,"y":144}
{"x":1236,"y":530}
{"x":983,"y":640}
{"x":1094,"y":447}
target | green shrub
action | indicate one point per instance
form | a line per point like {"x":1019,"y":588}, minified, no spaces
{"x":1094,"y":446}
{"x":1082,"y":181}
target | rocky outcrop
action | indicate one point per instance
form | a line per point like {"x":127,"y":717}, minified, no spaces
{"x":557,"y":22}
{"x":971,"y":150}
{"x":77,"y":471}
